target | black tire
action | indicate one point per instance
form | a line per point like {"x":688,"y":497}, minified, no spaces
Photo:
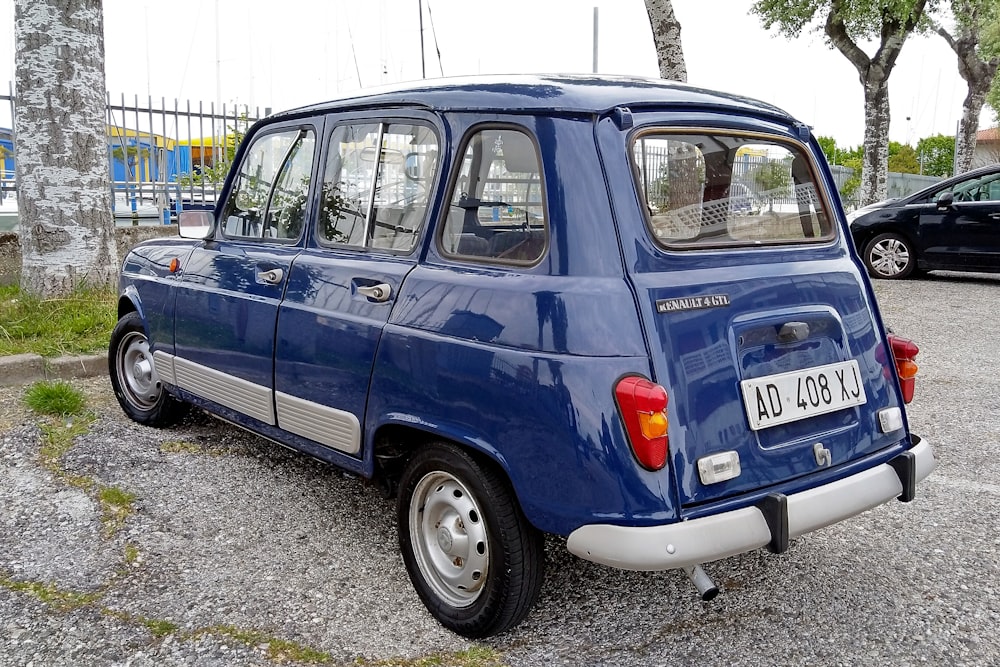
{"x":890,"y":256}
{"x":134,"y":379}
{"x":475,"y":561}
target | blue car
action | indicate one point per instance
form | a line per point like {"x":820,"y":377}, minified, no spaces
{"x":537,"y":304}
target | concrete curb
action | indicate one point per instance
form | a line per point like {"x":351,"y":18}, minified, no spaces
{"x":22,"y":369}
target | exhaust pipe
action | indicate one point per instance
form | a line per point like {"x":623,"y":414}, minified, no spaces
{"x":706,"y":587}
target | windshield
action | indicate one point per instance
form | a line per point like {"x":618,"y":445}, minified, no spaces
{"x":709,"y":189}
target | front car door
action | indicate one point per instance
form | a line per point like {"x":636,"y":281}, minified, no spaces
{"x":378,"y":178}
{"x":230,"y":287}
{"x":966,"y":234}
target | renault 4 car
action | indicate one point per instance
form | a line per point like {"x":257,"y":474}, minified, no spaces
{"x":619,"y":310}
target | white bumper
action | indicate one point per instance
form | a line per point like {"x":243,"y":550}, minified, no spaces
{"x":709,"y":538}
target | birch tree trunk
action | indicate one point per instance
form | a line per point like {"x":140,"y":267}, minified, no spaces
{"x":978,"y":72}
{"x":874,"y":75}
{"x":64,"y":193}
{"x":667,"y":38}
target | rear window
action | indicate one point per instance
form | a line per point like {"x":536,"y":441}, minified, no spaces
{"x":710,"y":189}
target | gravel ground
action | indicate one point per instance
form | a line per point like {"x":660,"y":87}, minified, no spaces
{"x":235,"y":546}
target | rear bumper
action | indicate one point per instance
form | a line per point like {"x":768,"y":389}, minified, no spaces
{"x":709,"y":538}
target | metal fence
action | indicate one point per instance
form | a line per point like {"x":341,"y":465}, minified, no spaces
{"x":163,"y":157}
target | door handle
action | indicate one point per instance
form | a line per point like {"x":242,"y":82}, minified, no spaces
{"x":272,"y":277}
{"x":378,"y":292}
{"x":995,"y":216}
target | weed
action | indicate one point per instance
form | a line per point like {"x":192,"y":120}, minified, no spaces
{"x":51,"y":594}
{"x":179,"y":447}
{"x":55,"y":398}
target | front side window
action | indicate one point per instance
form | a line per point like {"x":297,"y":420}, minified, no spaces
{"x":984,"y":188}
{"x":496,"y":209}
{"x":376,"y":185}
{"x":711,"y":189}
{"x":269,"y":195}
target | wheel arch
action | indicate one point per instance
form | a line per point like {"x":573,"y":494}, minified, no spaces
{"x":129,"y":302}
{"x":399,"y":438}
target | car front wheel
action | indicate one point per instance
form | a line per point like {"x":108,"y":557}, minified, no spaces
{"x":890,"y":256}
{"x":474,"y":560}
{"x":134,"y":379}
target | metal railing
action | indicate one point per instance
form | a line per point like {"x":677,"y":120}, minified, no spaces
{"x":163,"y":157}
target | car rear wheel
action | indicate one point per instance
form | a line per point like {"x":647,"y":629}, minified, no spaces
{"x":134,"y":379}
{"x":474,"y":560}
{"x":890,"y":256}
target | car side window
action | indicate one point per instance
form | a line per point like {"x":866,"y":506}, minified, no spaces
{"x":269,"y":196}
{"x":376,"y":185}
{"x":497,"y":210}
{"x":983,"y":188}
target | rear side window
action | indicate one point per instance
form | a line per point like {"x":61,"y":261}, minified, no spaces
{"x":269,"y":195}
{"x":496,"y":210}
{"x":715,"y":189}
{"x":376,"y":185}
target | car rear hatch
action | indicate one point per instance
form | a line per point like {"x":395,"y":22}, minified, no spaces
{"x":758,"y":320}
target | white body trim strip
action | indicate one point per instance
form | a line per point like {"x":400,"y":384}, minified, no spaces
{"x":328,"y":426}
{"x":241,"y":395}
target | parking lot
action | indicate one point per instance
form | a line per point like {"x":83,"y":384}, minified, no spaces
{"x":235,"y":546}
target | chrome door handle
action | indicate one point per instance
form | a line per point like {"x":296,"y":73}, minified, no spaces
{"x":378,"y":292}
{"x":272,"y":277}
{"x":995,"y":216}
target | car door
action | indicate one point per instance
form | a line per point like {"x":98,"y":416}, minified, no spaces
{"x":965,"y":235}
{"x":378,"y":176}
{"x":230,"y":287}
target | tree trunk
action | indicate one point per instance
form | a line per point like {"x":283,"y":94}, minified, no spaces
{"x":64,"y":192}
{"x":667,"y":38}
{"x":968,"y":127}
{"x":875,"y":164}
{"x":874,"y":74}
{"x":978,"y":74}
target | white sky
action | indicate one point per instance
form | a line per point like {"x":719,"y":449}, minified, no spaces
{"x":294,"y":52}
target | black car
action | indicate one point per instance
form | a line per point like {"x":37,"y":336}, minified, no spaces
{"x":953,"y":225}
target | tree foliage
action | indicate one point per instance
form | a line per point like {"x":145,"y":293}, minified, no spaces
{"x":936,"y":154}
{"x":846,"y":24}
{"x":903,"y":158}
{"x":975,"y":39}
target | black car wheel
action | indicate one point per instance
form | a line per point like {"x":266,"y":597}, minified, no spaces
{"x":890,"y":256}
{"x":134,"y":379}
{"x":474,"y":560}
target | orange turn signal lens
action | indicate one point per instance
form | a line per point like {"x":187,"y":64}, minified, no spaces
{"x":175,"y":264}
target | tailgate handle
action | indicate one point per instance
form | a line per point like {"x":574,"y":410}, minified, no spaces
{"x":793,"y":332}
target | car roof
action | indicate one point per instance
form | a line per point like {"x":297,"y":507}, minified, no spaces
{"x":540,"y":93}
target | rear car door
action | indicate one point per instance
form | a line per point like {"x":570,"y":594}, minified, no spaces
{"x":230,"y":287}
{"x":758,"y":320}
{"x":378,"y":177}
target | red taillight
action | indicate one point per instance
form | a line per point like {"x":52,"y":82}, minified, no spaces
{"x":643,"y":407}
{"x":903,"y":353}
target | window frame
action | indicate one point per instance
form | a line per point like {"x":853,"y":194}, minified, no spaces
{"x":383,"y":121}
{"x":294,"y":127}
{"x":456,"y":172}
{"x":794,"y":147}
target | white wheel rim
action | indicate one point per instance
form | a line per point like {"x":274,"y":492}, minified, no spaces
{"x":138,"y":376}
{"x":449,"y":538}
{"x":889,"y":257}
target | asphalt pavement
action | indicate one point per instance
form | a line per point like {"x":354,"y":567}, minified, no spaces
{"x":238,"y":552}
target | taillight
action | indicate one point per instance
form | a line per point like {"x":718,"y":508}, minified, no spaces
{"x":643,"y":407}
{"x":904,"y":351}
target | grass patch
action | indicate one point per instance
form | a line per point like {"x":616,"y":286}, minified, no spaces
{"x":51,"y":594}
{"x":55,"y":398}
{"x":75,"y":324}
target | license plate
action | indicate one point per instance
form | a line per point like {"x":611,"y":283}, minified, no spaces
{"x":787,"y":397}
